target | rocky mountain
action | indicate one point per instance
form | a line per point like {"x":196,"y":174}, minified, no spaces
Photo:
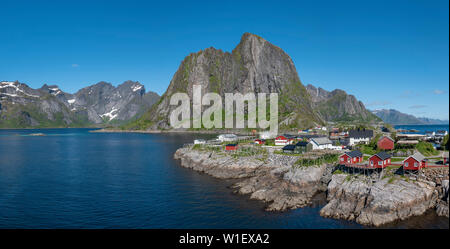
{"x":49,"y":106}
{"x":337,"y":105}
{"x":103,"y":102}
{"x":22,"y":106}
{"x":254,"y":66}
{"x":396,"y":118}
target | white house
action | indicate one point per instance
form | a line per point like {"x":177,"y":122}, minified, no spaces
{"x":320,"y":143}
{"x":359,"y":136}
{"x":267,"y":135}
{"x":199,"y":141}
{"x":227,"y":137}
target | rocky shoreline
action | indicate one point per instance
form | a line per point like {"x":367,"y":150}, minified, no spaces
{"x":371,"y":201}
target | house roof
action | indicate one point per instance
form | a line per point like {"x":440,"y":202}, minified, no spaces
{"x":355,"y":153}
{"x":382,"y":155}
{"x":301,"y":143}
{"x":387,"y":138}
{"x":289,"y":136}
{"x":231,"y":145}
{"x":228,"y":135}
{"x":417,"y":156}
{"x":289,"y":147}
{"x":321,"y":140}
{"x":360,"y":133}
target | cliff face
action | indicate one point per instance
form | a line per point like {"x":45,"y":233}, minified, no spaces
{"x":49,"y":106}
{"x":254,"y":66}
{"x":337,"y":105}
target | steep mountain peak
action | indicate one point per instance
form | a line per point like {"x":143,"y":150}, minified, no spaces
{"x":254,"y":66}
{"x":133,"y":85}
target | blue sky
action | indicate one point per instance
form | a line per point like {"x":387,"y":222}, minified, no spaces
{"x":389,"y":54}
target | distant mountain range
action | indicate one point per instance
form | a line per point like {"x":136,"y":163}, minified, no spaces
{"x":49,"y":106}
{"x":395,"y":117}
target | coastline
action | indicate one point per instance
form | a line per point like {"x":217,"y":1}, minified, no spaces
{"x":179,"y":131}
{"x":370,"y":201}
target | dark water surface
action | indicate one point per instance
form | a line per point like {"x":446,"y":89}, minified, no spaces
{"x":422,"y":129}
{"x":72,"y":178}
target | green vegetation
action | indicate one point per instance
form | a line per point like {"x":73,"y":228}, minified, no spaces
{"x":445,"y":143}
{"x":306,"y":162}
{"x":27,"y":116}
{"x":204,"y":147}
{"x":338,"y":172}
{"x":426,"y":149}
{"x":249,"y":151}
{"x":366,"y":149}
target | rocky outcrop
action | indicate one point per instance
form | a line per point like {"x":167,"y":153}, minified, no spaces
{"x":367,"y":200}
{"x":337,"y":105}
{"x":273,"y":180}
{"x":254,"y":66}
{"x":377,"y":202}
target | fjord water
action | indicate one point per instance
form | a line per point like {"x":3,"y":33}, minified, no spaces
{"x":72,"y":178}
{"x":422,"y":129}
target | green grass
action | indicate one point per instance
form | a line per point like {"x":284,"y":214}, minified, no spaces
{"x":306,"y":162}
{"x":338,"y":172}
{"x":426,"y":149}
{"x":365,"y":149}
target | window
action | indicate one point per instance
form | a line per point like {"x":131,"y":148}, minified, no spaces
{"x":416,"y":164}
{"x":348,"y":160}
{"x":406,"y":164}
{"x":342,"y":159}
{"x":380,"y":163}
{"x":371,"y":163}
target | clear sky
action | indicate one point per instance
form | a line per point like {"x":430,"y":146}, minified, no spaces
{"x":389,"y":54}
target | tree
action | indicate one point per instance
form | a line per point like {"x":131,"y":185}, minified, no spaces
{"x":444,"y":143}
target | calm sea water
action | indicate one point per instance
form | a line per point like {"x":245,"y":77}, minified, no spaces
{"x":422,"y":129}
{"x":71,"y":178}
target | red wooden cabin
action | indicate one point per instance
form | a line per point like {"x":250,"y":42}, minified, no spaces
{"x":231,"y":147}
{"x":351,"y":157}
{"x":260,"y":141}
{"x":385,"y":143}
{"x":415,"y":162}
{"x":380,"y":160}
